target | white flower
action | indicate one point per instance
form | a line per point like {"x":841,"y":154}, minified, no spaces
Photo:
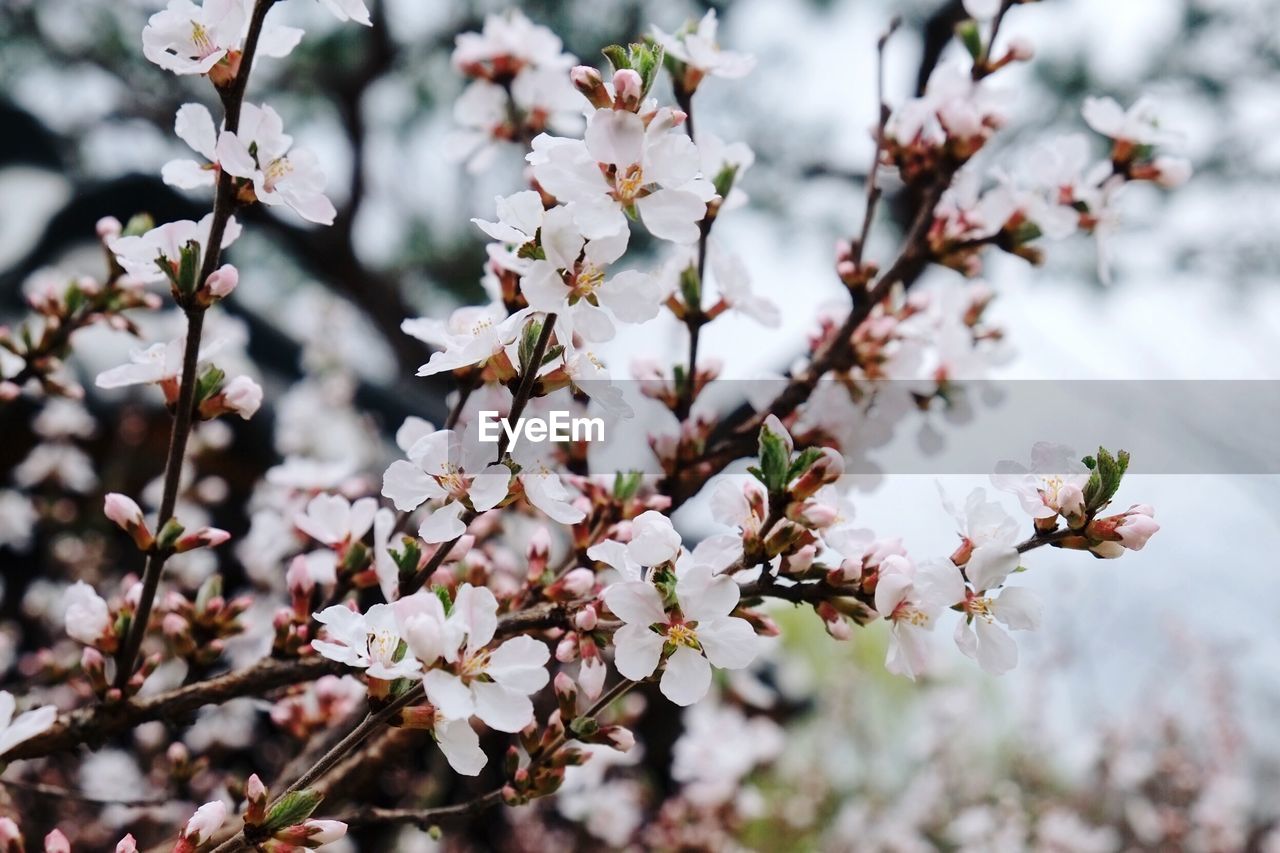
{"x":492,"y":684}
{"x":991,"y":533}
{"x":243,"y":396}
{"x":698,"y":49}
{"x":911,"y":597}
{"x":472,"y":336}
{"x":483,"y":112}
{"x":370,"y":641}
{"x":1053,"y":484}
{"x":979,"y":637}
{"x":207,"y":820}
{"x":717,"y":156}
{"x":349,"y":10}
{"x":621,"y":165}
{"x":384,"y":567}
{"x":953,"y":105}
{"x":190,"y":39}
{"x":699,"y":631}
{"x":542,"y":485}
{"x":87,"y":617}
{"x":193,"y":126}
{"x":146,"y":257}
{"x":519,"y":218}
{"x":447,"y":465}
{"x":570,"y":281}
{"x":588,"y":375}
{"x":506,"y":45}
{"x":654,"y":541}
{"x":734,"y":284}
{"x":262,"y":152}
{"x":26,"y":726}
{"x":1139,"y":124}
{"x":336,"y":521}
{"x":157,"y":364}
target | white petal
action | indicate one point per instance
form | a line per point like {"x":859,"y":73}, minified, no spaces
{"x":687,"y":677}
{"x":990,"y":565}
{"x":461,"y":746}
{"x":444,"y":524}
{"x":448,"y":694}
{"x":408,"y":486}
{"x":1019,"y":608}
{"x":194,"y":126}
{"x":489,"y":487}
{"x":672,"y":160}
{"x":520,"y":664}
{"x":615,"y":136}
{"x":186,"y":174}
{"x":672,"y":215}
{"x":632,"y":296}
{"x":728,"y":643}
{"x":637,"y":651}
{"x":636,"y":603}
{"x":502,"y":708}
{"x":997,"y":652}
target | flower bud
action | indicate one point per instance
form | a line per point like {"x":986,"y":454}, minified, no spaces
{"x":128,"y":844}
{"x":588,"y":81}
{"x":628,"y":86}
{"x":56,"y":842}
{"x":242,"y":396}
{"x":108,"y":228}
{"x":578,"y":582}
{"x":206,"y":821}
{"x":222,"y":281}
{"x":1021,"y":49}
{"x":205,"y":537}
{"x":125,"y":513}
{"x":586,"y":619}
{"x":255,"y":795}
{"x":567,"y":648}
{"x":1172,"y":172}
{"x":619,"y":737}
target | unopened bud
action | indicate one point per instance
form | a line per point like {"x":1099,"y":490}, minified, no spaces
{"x":128,"y":844}
{"x":108,"y":228}
{"x":586,"y":619}
{"x":125,"y":513}
{"x":628,"y":86}
{"x":255,"y":795}
{"x":56,"y":842}
{"x":588,"y":81}
{"x":205,"y":537}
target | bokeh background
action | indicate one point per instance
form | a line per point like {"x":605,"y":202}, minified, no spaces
{"x":1168,"y":653}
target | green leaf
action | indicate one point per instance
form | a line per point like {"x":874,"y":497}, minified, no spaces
{"x":292,"y":809}
{"x":724,"y":179}
{"x":443,"y":594}
{"x":138,"y":224}
{"x":209,"y":383}
{"x":802,"y":462}
{"x":188,"y":267}
{"x":617,"y":57}
{"x":529,"y":341}
{"x":691,"y":286}
{"x":775,"y":461}
{"x":970,"y":37}
{"x":626,"y":485}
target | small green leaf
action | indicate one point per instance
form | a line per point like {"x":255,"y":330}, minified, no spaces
{"x":617,"y":57}
{"x":970,"y":37}
{"x":138,"y":224}
{"x":291,"y":809}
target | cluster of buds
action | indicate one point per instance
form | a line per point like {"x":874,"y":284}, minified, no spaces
{"x":197,"y":630}
{"x":287,"y":824}
{"x":635,"y":68}
{"x":657,"y":384}
{"x":64,"y":305}
{"x":173,"y":538}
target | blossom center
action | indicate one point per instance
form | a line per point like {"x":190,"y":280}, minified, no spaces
{"x":276,"y":170}
{"x":628,"y":184}
{"x":682,"y":635}
{"x":910,"y":614}
{"x":451,"y":480}
{"x":586,"y":282}
{"x":382,"y":646}
{"x":201,"y":39}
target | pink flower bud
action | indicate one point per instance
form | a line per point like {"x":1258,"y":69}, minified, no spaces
{"x":127,"y":845}
{"x":10,"y":836}
{"x":205,"y":537}
{"x":588,"y":81}
{"x":56,"y":842}
{"x":564,"y":686}
{"x":621,"y":738}
{"x":298,"y":578}
{"x":9,"y":391}
{"x":629,"y":88}
{"x":174,"y":626}
{"x":255,"y":795}
{"x":222,"y":281}
{"x":567,"y":648}
{"x":324,"y":831}
{"x":579,"y":582}
{"x":243,"y":396}
{"x":1138,"y":526}
{"x":122,"y":511}
{"x":108,"y":228}
{"x":586,"y":619}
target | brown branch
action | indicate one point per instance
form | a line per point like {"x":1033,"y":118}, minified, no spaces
{"x":93,"y":725}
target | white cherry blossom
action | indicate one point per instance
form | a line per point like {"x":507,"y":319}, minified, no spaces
{"x":624,"y":164}
{"x":142,"y":256}
{"x":981,"y":635}
{"x":472,"y":336}
{"x":194,"y":126}
{"x":492,"y":684}
{"x":1054,"y":484}
{"x":370,"y":641}
{"x":990,"y":533}
{"x":348,"y":10}
{"x":697,"y":48}
{"x":542,"y":484}
{"x":694,"y":636}
{"x":1140,"y":124}
{"x":910,"y":597}
{"x":336,"y":521}
{"x":570,"y":281}
{"x":260,"y":151}
{"x":157,"y":364}
{"x":188,"y":39}
{"x":452,"y":466}
{"x":87,"y":617}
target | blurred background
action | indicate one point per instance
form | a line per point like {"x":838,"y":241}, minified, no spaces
{"x":1141,"y":716}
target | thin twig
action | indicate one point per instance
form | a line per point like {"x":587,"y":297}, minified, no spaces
{"x":882,"y":119}
{"x":224,"y":203}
